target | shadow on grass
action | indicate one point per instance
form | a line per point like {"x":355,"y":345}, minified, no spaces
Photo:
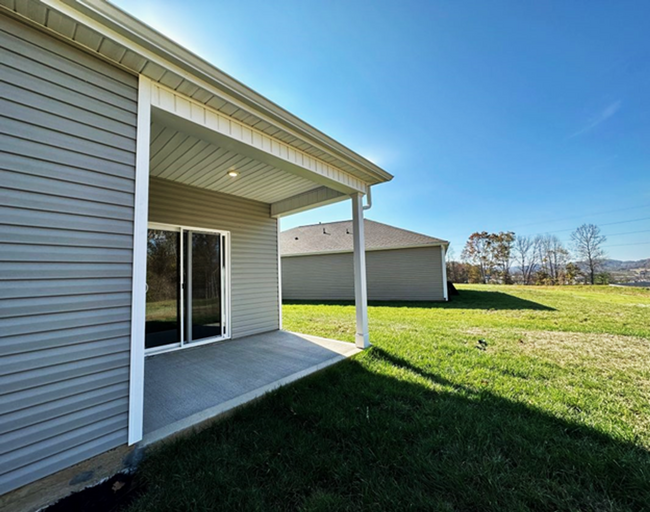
{"x":354,"y":439}
{"x":467,"y":299}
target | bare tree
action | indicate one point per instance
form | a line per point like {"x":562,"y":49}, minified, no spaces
{"x":456,"y":271}
{"x":587,"y":243}
{"x":525,"y":255}
{"x":552,"y":258}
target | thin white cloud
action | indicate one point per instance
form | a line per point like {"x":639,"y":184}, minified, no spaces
{"x":603,"y":116}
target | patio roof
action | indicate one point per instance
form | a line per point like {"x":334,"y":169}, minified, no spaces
{"x":186,"y":388}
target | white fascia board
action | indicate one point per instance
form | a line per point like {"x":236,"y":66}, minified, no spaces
{"x":138,"y":37}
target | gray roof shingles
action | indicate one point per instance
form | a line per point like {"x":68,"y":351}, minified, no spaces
{"x":337,"y":237}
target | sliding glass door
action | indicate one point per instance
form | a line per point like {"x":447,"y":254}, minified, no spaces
{"x":186,"y":287}
{"x":204,"y":294}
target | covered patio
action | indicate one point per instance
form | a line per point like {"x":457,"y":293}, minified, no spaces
{"x":210,"y":190}
{"x":210,"y":349}
{"x":186,"y":388}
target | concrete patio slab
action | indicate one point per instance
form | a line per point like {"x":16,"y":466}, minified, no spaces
{"x":187,"y":387}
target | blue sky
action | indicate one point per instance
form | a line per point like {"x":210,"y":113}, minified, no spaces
{"x":522,"y":116}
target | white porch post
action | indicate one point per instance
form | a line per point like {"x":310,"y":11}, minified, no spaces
{"x":360,"y":292}
{"x":139,"y":283}
{"x":279,"y":276}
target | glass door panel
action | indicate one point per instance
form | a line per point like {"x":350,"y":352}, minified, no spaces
{"x":163,"y":315}
{"x":204,"y":253}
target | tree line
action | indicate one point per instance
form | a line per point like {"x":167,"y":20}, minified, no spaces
{"x":507,"y":258}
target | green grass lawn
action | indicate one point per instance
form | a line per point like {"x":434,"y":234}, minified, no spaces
{"x":553,"y":414}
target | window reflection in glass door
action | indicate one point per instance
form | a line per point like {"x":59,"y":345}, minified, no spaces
{"x":204,"y":307}
{"x":162,"y":311}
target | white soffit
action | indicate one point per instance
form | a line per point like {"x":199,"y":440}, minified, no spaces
{"x":175,"y":110}
{"x":186,"y":159}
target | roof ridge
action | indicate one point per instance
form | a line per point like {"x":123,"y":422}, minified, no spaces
{"x":409,"y":231}
{"x":324,"y":224}
{"x":308,"y":239}
{"x":318,"y":224}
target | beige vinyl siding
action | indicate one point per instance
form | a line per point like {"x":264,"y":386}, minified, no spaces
{"x":67,"y":145}
{"x":254,"y":257}
{"x":405,"y":274}
{"x":393,"y":275}
{"x":318,"y":277}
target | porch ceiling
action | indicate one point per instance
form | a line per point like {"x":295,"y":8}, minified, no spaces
{"x":184,"y":158}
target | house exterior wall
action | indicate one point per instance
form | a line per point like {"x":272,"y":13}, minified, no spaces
{"x":396,"y":275}
{"x":254,"y":240}
{"x":67,"y":140}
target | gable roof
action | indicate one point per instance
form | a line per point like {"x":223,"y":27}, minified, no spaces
{"x":337,"y":237}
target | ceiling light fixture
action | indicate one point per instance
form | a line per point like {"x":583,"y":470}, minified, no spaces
{"x":233,"y":173}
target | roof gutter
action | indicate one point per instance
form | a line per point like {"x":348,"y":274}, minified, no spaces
{"x":368,"y":205}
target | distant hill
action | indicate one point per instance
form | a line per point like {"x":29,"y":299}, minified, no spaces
{"x":611,"y":265}
{"x":614,"y":265}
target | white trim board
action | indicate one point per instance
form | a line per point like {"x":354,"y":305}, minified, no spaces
{"x":138,"y":290}
{"x":443,"y":257}
{"x":362,"y":339}
{"x":279,"y":275}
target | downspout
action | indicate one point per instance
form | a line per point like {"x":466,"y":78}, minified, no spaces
{"x":368,"y":199}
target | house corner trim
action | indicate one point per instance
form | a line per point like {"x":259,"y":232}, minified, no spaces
{"x":139,"y":279}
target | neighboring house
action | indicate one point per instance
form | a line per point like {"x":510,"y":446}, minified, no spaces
{"x":140,"y":191}
{"x":401,"y":265}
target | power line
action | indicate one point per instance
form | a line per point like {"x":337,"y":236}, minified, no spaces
{"x":625,"y":221}
{"x":628,"y":233}
{"x":607,"y":224}
{"x":605,"y":234}
{"x":625,"y":245}
{"x":581,"y":216}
